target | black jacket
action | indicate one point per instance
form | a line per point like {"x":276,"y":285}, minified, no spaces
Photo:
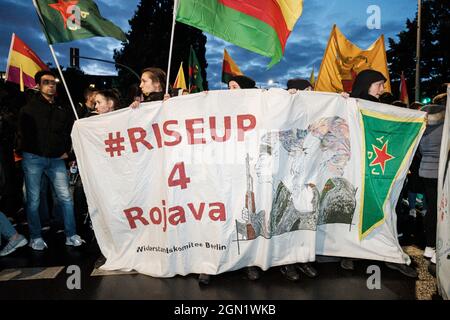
{"x":44,"y":128}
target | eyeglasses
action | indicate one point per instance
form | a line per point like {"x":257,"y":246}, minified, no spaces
{"x":48,"y":82}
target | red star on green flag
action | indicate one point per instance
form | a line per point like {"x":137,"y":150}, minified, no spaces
{"x":63,"y":8}
{"x":54,"y":15}
{"x":384,"y":137}
{"x":382,"y":156}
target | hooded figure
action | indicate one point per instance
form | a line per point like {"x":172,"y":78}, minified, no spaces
{"x":243,"y":82}
{"x":299,"y":84}
{"x":363,"y":82}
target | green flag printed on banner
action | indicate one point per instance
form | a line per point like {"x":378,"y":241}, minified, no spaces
{"x":195,"y":74}
{"x":389,"y":141}
{"x":65,"y":21}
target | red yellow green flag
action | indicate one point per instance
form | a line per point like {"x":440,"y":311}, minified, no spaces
{"x":261,"y":26}
{"x":23,"y":63}
{"x":229,"y":68}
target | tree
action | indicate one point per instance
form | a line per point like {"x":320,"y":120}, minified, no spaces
{"x":434,"y":61}
{"x":149,"y":39}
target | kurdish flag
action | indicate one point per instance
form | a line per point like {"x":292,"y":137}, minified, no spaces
{"x":23,"y":63}
{"x":180,"y":81}
{"x":389,"y":142}
{"x":65,"y":21}
{"x":261,"y":26}
{"x":229,"y":68}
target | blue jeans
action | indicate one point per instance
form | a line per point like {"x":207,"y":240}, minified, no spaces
{"x":44,"y":210}
{"x":6,"y":228}
{"x":54,"y":168}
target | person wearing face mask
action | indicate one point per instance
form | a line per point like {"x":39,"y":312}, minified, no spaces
{"x":152,"y":87}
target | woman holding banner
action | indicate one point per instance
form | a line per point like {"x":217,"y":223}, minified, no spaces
{"x":152,"y":87}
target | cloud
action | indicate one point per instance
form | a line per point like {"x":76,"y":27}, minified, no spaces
{"x":97,"y":68}
{"x":304,"y":49}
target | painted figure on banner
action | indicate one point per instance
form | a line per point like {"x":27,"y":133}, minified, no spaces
{"x":297,"y":203}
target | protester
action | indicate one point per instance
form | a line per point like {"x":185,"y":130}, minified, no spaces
{"x":388,"y":98}
{"x":430,"y":148}
{"x":88,"y":106}
{"x":440,"y":99}
{"x":415,"y":186}
{"x":236,"y":82}
{"x":289,"y":271}
{"x":369,"y":85}
{"x":44,"y":130}
{"x":293,"y":85}
{"x":241,"y":82}
{"x":7,"y":231}
{"x":152,"y":87}
{"x":15,"y":240}
{"x":107,"y":101}
{"x":180,"y":92}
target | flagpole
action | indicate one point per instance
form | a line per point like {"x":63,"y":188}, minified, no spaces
{"x":54,"y":58}
{"x":63,"y":80}
{"x":419,"y":22}
{"x":175,"y":5}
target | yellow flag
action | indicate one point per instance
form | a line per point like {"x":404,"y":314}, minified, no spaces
{"x":343,"y":60}
{"x":180,"y":81}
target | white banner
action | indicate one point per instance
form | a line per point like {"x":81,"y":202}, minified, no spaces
{"x":217,"y":181}
{"x":443,"y":219}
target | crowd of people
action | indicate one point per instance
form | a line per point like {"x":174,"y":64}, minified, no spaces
{"x":36,"y":153}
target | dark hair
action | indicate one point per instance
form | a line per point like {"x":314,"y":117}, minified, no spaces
{"x":111,"y":95}
{"x":299,"y":84}
{"x":157,"y":75}
{"x":88,"y":91}
{"x":40,"y":74}
{"x":244,"y":82}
